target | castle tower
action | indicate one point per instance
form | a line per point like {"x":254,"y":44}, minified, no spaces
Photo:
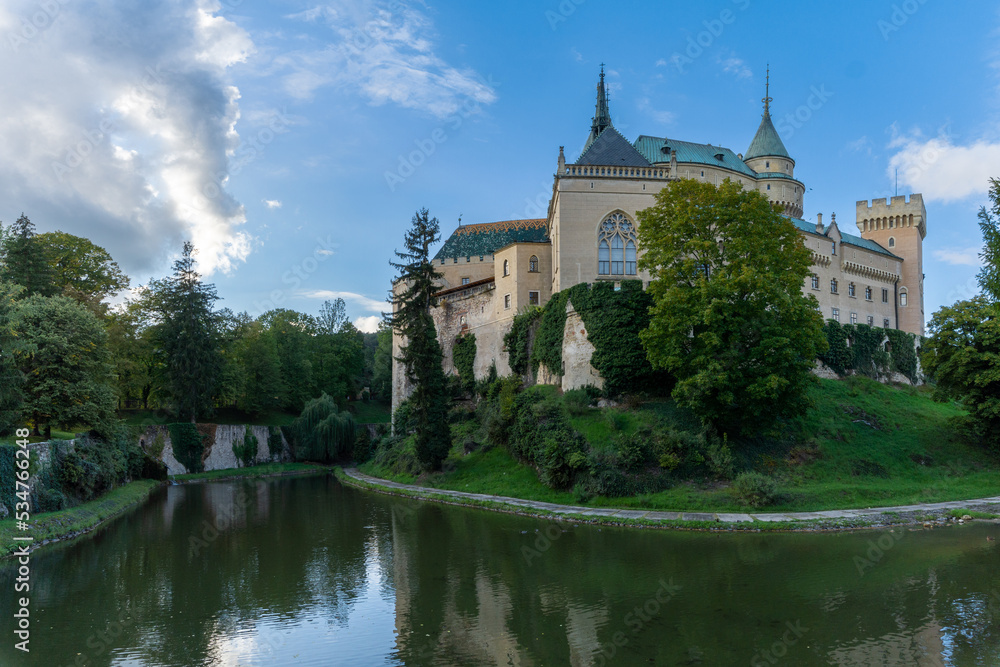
{"x":775,"y":167}
{"x":900,"y":226}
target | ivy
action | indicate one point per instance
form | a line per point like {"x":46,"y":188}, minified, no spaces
{"x":189,"y":447}
{"x":517,"y":341}
{"x":614,"y":319}
{"x":7,"y":456}
{"x":464,"y":356}
{"x":549,"y":339}
{"x":859,"y":348}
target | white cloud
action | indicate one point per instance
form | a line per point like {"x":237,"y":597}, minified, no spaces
{"x":119,"y":125}
{"x":368,"y":324}
{"x":959,"y":256}
{"x":386,"y":52}
{"x":735,"y":66}
{"x":941,"y":170}
{"x":367,"y":303}
{"x":860,"y":145}
{"x":660,"y":116}
{"x":272,"y":203}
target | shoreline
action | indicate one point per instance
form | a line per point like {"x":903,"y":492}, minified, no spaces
{"x":927,"y":515}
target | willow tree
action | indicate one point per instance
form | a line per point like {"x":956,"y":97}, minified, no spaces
{"x":413,"y":298}
{"x":324,"y":433}
{"x":729,"y":319}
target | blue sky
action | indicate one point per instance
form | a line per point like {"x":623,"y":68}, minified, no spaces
{"x":293,"y":141}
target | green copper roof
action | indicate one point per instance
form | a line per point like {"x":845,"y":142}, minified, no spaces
{"x":849,"y":239}
{"x":652,"y":148}
{"x":766,"y":142}
{"x":487,"y":238}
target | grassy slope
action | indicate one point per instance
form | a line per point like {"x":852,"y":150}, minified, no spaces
{"x":855,"y":465}
{"x":56,"y":525}
{"x":372,"y":412}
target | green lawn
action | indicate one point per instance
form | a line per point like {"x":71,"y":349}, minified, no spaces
{"x":862,"y":444}
{"x":55,"y":525}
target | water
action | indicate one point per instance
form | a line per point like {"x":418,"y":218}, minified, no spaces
{"x":304,"y":571}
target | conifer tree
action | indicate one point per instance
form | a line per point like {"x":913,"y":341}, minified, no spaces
{"x":11,"y":378}
{"x":188,"y":338}
{"x":25,"y":261}
{"x":413,"y":298}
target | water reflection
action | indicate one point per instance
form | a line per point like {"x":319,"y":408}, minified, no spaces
{"x":306,"y":572}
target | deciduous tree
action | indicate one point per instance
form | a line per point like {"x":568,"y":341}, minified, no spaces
{"x":25,"y":261}
{"x":729,"y":319}
{"x":81,"y":269}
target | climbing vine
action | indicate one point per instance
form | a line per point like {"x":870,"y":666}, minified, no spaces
{"x":549,"y":339}
{"x":517,"y":341}
{"x":7,"y":455}
{"x":189,"y":447}
{"x":464,"y":356}
{"x":904,"y":353}
{"x":862,"y":349}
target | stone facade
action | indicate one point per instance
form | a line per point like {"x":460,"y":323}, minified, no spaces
{"x":219,"y":455}
{"x":493,"y":271}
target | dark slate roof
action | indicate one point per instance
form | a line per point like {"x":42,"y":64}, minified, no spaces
{"x":612,"y":149}
{"x":849,"y":239}
{"x":486,"y":238}
{"x":651,"y":149}
{"x":766,"y":141}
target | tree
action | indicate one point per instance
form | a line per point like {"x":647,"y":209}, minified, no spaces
{"x":413,"y":298}
{"x":292,"y":332}
{"x":11,"y":378}
{"x":66,"y":362}
{"x":81,"y":269}
{"x":188,"y":339}
{"x":989,"y":224}
{"x":256,"y":352}
{"x":382,"y":363}
{"x":332,"y":316}
{"x":729,"y":319}
{"x":25,"y":261}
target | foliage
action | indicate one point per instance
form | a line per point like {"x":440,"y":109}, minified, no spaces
{"x":729,"y":319}
{"x":859,"y":348}
{"x":989,"y":225}
{"x":188,"y":445}
{"x":81,"y":269}
{"x":11,"y":377}
{"x":464,"y":356}
{"x":754,"y":489}
{"x":332,"y":316}
{"x":903,"y":353}
{"x":66,"y":360}
{"x":274,"y":442}
{"x":8,"y":466}
{"x":548,"y":344}
{"x":362,"y":445}
{"x":963,"y":356}
{"x":189,"y":339}
{"x":323,"y":433}
{"x":246,"y":451}
{"x":25,"y":261}
{"x":382,"y":364}
{"x":517,"y":341}
{"x":413,"y":298}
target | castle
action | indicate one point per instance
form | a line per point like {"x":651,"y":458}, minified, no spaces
{"x":493,"y":271}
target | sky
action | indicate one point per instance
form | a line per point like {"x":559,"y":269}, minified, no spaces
{"x":292,"y":141}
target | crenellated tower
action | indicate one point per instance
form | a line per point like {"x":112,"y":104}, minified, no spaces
{"x":900,"y":226}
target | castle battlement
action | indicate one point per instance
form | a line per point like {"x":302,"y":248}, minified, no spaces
{"x":891,"y":213}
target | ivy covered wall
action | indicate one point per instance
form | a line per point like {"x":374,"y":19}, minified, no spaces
{"x":871,"y":351}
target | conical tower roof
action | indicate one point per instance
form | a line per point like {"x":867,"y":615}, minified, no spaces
{"x":602,"y":114}
{"x":766,"y":142}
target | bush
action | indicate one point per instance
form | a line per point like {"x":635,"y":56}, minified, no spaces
{"x":189,"y":447}
{"x":362,"y":445}
{"x":754,"y":490}
{"x":246,"y":452}
{"x":577,"y":401}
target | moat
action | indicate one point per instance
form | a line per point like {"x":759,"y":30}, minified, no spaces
{"x":305,"y":571}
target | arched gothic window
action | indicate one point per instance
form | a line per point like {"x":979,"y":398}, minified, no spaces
{"x":616,"y":247}
{"x":506,"y":267}
{"x":533,"y":264}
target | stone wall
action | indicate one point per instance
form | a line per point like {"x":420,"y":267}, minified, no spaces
{"x":218,"y":454}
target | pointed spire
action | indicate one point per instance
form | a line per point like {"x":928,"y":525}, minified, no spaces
{"x":767,"y":93}
{"x":602,"y":114}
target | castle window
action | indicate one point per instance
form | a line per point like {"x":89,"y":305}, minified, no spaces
{"x":836,"y":314}
{"x":703,"y":174}
{"x":868,"y":293}
{"x":532,"y":298}
{"x":480,"y":258}
{"x":902,"y":298}
{"x":815,"y":281}
{"x":833,"y":286}
{"x":851,"y":290}
{"x":506,"y":301}
{"x":768,"y":186}
{"x":506,"y":267}
{"x":442,"y":261}
{"x":454,"y":260}
{"x":834,"y":244}
{"x":616,"y":246}
{"x":533,"y":264}
{"x":885,"y":323}
{"x":871,"y":320}
{"x":885,"y":295}
{"x":854,"y":318}
{"x":892,"y":241}
{"x":465,"y":281}
{"x":767,"y":164}
{"x":468,"y":258}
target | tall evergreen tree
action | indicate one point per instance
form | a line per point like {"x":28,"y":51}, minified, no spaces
{"x":11,"y":378}
{"x":25,"y":260}
{"x":989,"y":224}
{"x":188,"y":339}
{"x":413,"y":298}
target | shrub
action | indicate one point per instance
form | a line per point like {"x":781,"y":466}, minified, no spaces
{"x":754,"y":490}
{"x":189,"y":447}
{"x":246,"y":451}
{"x":362,"y":445}
{"x":274,"y":443}
{"x":577,"y":401}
